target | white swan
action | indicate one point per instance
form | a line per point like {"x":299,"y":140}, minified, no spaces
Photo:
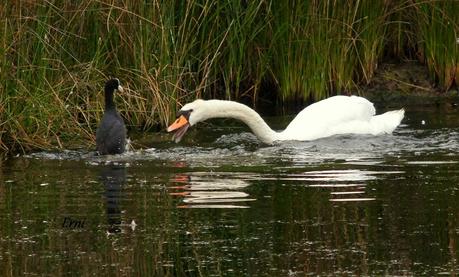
{"x":332,"y":116}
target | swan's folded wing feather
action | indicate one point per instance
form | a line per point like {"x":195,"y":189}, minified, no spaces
{"x":322,"y":118}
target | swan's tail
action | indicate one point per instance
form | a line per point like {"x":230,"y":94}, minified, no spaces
{"x":387,"y":122}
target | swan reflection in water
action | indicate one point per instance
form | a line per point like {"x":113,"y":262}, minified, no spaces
{"x":346,"y":185}
{"x":113,"y":177}
{"x":209,"y":191}
{"x":219,"y":190}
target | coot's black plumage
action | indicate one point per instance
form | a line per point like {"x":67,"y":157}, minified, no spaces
{"x":111,"y":134}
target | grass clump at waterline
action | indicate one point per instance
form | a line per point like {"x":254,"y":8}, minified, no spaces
{"x":56,"y":56}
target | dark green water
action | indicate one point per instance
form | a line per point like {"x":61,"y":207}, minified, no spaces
{"x":220,"y":204}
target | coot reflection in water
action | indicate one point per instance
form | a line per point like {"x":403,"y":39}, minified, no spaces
{"x":113,"y":178}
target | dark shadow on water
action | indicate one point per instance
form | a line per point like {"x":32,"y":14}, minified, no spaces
{"x":113,"y":178}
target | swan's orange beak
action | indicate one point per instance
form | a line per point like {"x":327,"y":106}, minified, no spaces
{"x":180,"y":126}
{"x":180,"y":122}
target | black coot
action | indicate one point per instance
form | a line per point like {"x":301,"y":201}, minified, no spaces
{"x":111,"y":134}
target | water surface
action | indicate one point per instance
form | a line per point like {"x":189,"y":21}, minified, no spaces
{"x":222,"y":204}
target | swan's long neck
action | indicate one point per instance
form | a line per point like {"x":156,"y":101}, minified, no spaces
{"x":224,"y":109}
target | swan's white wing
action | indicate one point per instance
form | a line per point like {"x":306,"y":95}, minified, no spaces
{"x":334,"y":115}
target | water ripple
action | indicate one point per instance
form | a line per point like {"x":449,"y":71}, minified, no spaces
{"x":244,"y":149}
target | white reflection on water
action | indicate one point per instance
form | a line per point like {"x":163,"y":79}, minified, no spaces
{"x":347,"y":192}
{"x":345,"y":185}
{"x":431,"y":162}
{"x":227,"y":190}
{"x":339,"y":175}
{"x":340,"y":183}
{"x":352,"y":199}
{"x":210,"y":191}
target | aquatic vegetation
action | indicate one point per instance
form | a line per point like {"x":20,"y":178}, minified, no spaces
{"x":325,"y":47}
{"x":437,"y":30}
{"x":55,"y":54}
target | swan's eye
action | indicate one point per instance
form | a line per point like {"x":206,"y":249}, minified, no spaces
{"x":186,"y":113}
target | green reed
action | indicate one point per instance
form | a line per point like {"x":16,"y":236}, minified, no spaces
{"x":324,"y":47}
{"x":438,"y":35}
{"x":56,"y":56}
